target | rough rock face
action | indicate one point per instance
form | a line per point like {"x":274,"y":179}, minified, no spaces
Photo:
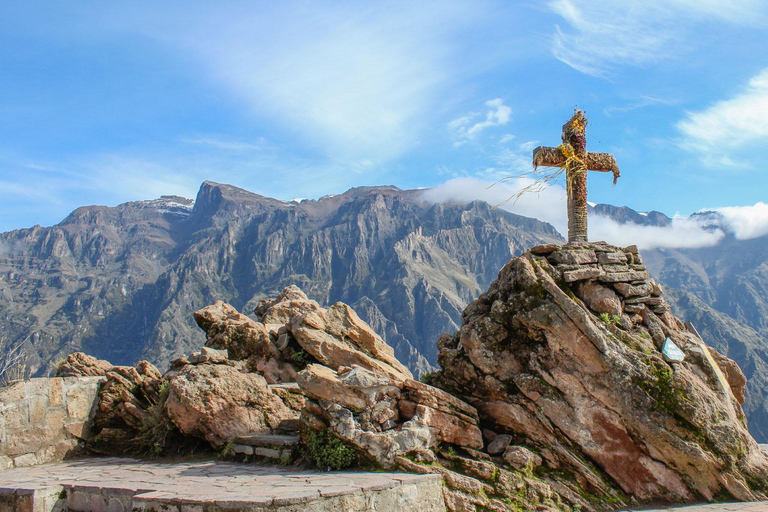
{"x":549,"y":360}
{"x":124,"y":402}
{"x":217,"y":402}
{"x":83,"y":365}
{"x":245,"y":339}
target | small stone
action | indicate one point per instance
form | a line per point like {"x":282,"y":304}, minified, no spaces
{"x":629,"y":290}
{"x":499,"y":444}
{"x":574,"y":257}
{"x":243,"y":449}
{"x":544,"y":249}
{"x":658,"y":290}
{"x":599,"y":298}
{"x":521,"y":458}
{"x":631,"y":249}
{"x":581,"y":274}
{"x":611,"y":258}
{"x":625,"y":277}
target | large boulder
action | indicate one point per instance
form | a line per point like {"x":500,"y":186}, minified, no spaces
{"x":547,"y":358}
{"x":126,"y":405}
{"x":218,"y":402}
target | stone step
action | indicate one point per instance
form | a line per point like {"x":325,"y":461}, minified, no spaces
{"x":288,"y":427}
{"x":266,"y":440}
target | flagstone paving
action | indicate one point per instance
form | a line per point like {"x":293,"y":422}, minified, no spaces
{"x":120,"y":484}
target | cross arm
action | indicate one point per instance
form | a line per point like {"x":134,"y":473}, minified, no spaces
{"x":548,"y":157}
{"x":603,"y":162}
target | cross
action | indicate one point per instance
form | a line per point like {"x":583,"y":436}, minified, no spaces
{"x":572,"y":155}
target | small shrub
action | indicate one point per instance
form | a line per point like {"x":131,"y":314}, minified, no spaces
{"x":155,"y":426}
{"x":610,"y":319}
{"x":326,"y":451}
{"x":428,"y":378}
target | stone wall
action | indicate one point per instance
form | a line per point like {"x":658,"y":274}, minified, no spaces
{"x":44,"y":420}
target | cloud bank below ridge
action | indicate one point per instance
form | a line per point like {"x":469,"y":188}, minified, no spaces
{"x":743,"y":222}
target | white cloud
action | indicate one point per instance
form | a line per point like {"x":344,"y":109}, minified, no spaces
{"x":507,"y":138}
{"x":227,"y":144}
{"x":467,"y":127}
{"x":550,"y":206}
{"x":606,"y":33}
{"x":730,"y":124}
{"x":682,"y":233}
{"x":746,"y":222}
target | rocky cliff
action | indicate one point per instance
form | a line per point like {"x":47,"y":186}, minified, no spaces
{"x":119,"y":282}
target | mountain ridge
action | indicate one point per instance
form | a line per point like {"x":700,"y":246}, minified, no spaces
{"x":121,"y":282}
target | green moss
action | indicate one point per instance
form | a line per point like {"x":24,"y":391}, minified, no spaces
{"x":301,"y":358}
{"x":326,"y":451}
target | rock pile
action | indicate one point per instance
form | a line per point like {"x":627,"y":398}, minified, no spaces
{"x":554,"y":395}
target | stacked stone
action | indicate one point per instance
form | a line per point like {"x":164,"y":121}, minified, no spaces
{"x":608,"y":279}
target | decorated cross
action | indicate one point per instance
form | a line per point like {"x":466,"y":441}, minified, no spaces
{"x":572,"y":155}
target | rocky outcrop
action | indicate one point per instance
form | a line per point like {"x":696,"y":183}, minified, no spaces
{"x":83,"y":365}
{"x":553,"y":395}
{"x":245,"y":339}
{"x":563,"y":355}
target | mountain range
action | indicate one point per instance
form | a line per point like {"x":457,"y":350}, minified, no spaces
{"x":121,"y":283}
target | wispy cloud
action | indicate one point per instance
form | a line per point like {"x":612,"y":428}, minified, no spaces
{"x":357,"y":82}
{"x":228,"y":144}
{"x":718,"y":131}
{"x":642,"y":102}
{"x":602,"y":34}
{"x":468,"y":126}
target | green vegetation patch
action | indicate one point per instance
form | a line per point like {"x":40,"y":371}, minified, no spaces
{"x":326,"y":451}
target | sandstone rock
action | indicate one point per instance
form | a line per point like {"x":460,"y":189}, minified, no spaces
{"x":611,"y":258}
{"x":291,"y":302}
{"x":383,"y":417}
{"x":544,"y":249}
{"x":499,"y":444}
{"x":83,"y":365}
{"x":244,"y":338}
{"x":571,"y":276}
{"x":576,"y":257}
{"x":629,"y":290}
{"x":574,"y":388}
{"x":736,"y":379}
{"x":126,"y":395}
{"x":521,"y":458}
{"x":599,"y":299}
{"x":218,"y":402}
{"x":337,"y":337}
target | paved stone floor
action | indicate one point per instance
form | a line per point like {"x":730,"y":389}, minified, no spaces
{"x":231,"y":485}
{"x":117,"y":484}
{"x":760,"y":506}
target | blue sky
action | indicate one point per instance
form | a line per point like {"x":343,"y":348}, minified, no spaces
{"x":106,"y":102}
